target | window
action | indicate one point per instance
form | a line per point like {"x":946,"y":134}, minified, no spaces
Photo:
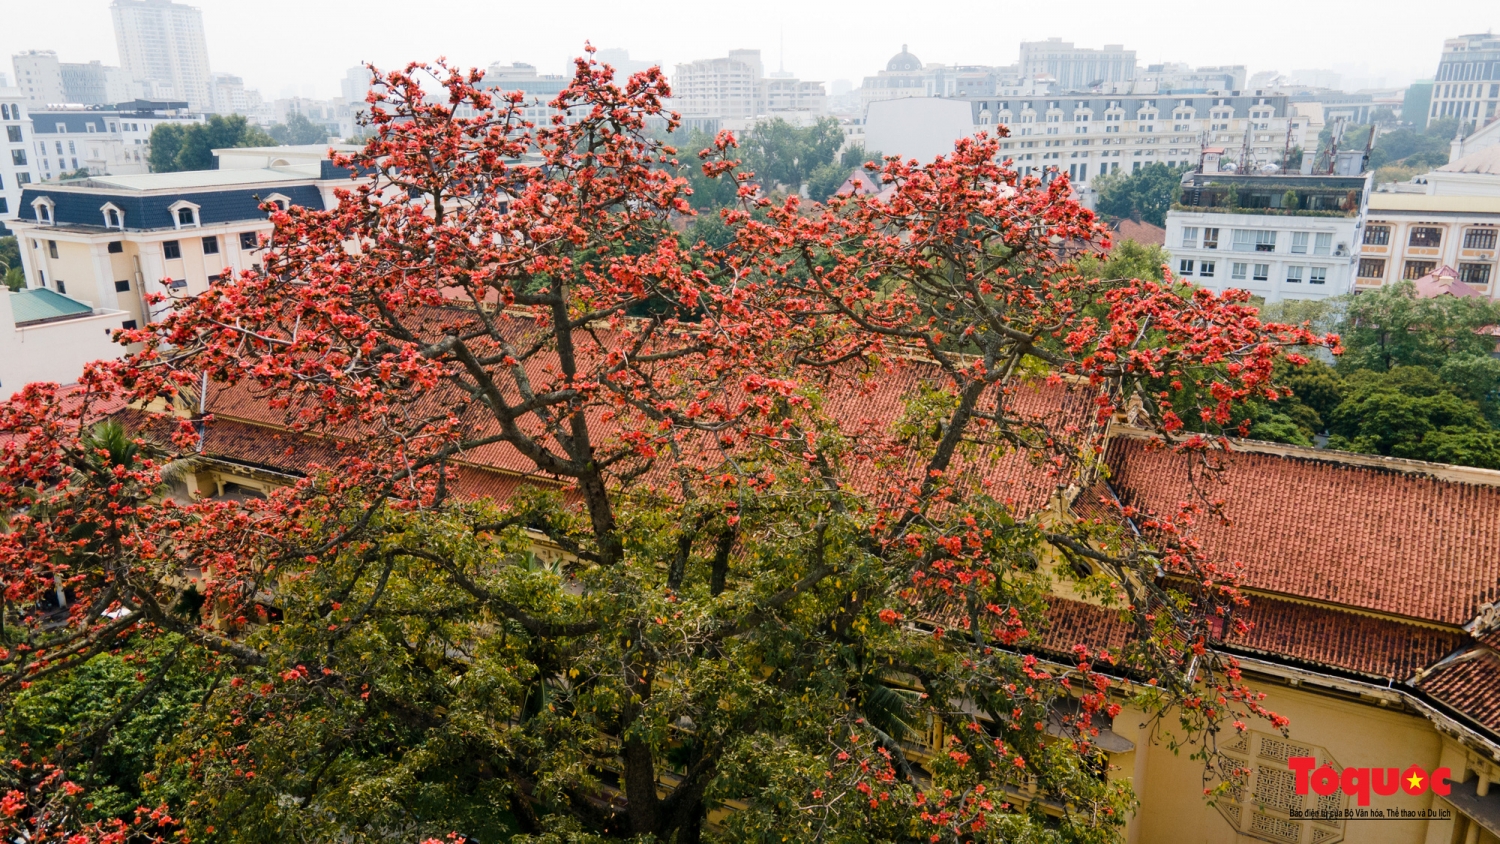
{"x":1262,"y":272}
{"x":1317,"y":275}
{"x":248,"y":240}
{"x":62,"y":287}
{"x":90,"y":128}
{"x":185,"y":217}
{"x":1428,"y":237}
{"x":128,"y":325}
{"x":18,"y":157}
{"x":1206,"y":269}
{"x":210,"y":246}
{"x":1475,"y":274}
{"x":214,"y":279}
{"x":13,"y":134}
{"x":122,"y":286}
{"x":1190,"y":237}
{"x":23,"y":178}
{"x":1372,"y":268}
{"x":52,"y":248}
{"x":1299,"y":243}
{"x":171,"y":249}
{"x":1377,"y":235}
{"x":1244,"y":240}
{"x":1210,"y":238}
{"x":1294,"y":275}
{"x":1265,"y":241}
{"x":177,"y":283}
{"x":1239,"y":271}
{"x":1185,"y":267}
{"x":4,"y":205}
{"x":1323,"y":243}
{"x":1416,"y":269}
{"x":1479,"y":239}
{"x":116,"y":247}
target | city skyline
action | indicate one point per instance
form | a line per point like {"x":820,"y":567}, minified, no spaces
{"x":80,"y":31}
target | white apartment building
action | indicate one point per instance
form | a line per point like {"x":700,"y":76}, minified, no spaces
{"x":162,"y":43}
{"x":1087,"y":135}
{"x":39,"y":76}
{"x":17,"y":167}
{"x":1467,"y":84}
{"x":102,"y":141}
{"x":735,"y":87}
{"x":1076,"y":68}
{"x":94,"y":83}
{"x":1279,"y":236}
{"x":1448,"y":218}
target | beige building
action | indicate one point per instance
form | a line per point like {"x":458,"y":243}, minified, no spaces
{"x":736,"y":87}
{"x":1448,"y":218}
{"x":108,"y":241}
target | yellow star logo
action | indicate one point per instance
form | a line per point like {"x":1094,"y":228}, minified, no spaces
{"x":1416,"y":781}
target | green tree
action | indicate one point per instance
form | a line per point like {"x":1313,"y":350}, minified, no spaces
{"x":10,"y":263}
{"x":1147,"y":194}
{"x":298,"y":130}
{"x":1128,"y":259}
{"x":782,"y":154}
{"x":166,"y":143}
{"x":220,"y":132}
{"x":1408,"y":412}
{"x":1391,"y":327}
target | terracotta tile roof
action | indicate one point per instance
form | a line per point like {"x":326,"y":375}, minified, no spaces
{"x":1323,"y":636}
{"x":1143,"y":233}
{"x":1470,"y":685}
{"x":869,"y":403}
{"x":1072,"y":622}
{"x":1379,"y":539}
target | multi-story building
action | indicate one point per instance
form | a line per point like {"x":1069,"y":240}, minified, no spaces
{"x":95,"y":84}
{"x":1279,"y":236}
{"x":162,"y":43}
{"x":108,"y":241}
{"x":1087,"y":135}
{"x":17,"y":166}
{"x":1454,"y":221}
{"x":1076,"y":68}
{"x":736,"y":88}
{"x":102,"y":141}
{"x":1467,"y":84}
{"x":1179,"y":78}
{"x":39,"y":76}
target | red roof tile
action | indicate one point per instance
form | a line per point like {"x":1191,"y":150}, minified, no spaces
{"x":1360,"y":536}
{"x":1140,"y":232}
{"x":1323,"y":636}
{"x":1470,"y":685}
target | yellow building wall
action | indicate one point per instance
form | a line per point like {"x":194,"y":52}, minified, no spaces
{"x":1170,"y":786}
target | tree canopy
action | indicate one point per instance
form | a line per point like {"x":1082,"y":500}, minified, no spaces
{"x":748,"y":545}
{"x":1146,"y":194}
{"x":298,"y":130}
{"x":190,"y":146}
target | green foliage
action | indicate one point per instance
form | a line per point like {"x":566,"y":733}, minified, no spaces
{"x":708,"y":194}
{"x":1146,"y":194}
{"x":1394,"y":413}
{"x":1128,"y":259}
{"x":10,"y":263}
{"x":176,"y":147}
{"x":1289,"y":200}
{"x":298,"y":130}
{"x":783,"y":155}
{"x":1391,"y":327}
{"x":1425,"y":148}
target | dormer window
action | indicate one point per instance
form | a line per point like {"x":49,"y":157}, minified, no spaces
{"x":184,"y":214}
{"x":45,"y":210}
{"x":114,"y":218}
{"x":281,"y":202}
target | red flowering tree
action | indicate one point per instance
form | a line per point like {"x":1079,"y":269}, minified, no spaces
{"x":785,"y":538}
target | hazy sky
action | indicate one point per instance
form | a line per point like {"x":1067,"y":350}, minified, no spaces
{"x":306,"y":45}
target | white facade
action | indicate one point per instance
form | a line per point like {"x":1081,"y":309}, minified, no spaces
{"x":53,"y":351}
{"x":736,"y":88}
{"x":1276,"y":257}
{"x":1467,"y":83}
{"x":916,"y":127}
{"x":1076,"y":68}
{"x":114,"y":143}
{"x":96,"y":84}
{"x":39,"y":76}
{"x":162,"y":42}
{"x":17,"y":166}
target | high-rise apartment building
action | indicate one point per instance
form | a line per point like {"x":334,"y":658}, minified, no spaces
{"x":95,"y":84}
{"x":39,"y":76}
{"x":1467,"y":85}
{"x":162,"y":44}
{"x":736,"y":87}
{"x":1076,"y":68}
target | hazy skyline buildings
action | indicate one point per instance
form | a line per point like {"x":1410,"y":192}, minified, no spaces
{"x":162,"y":43}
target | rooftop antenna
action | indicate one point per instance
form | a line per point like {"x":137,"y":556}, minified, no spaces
{"x":1286,"y":151}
